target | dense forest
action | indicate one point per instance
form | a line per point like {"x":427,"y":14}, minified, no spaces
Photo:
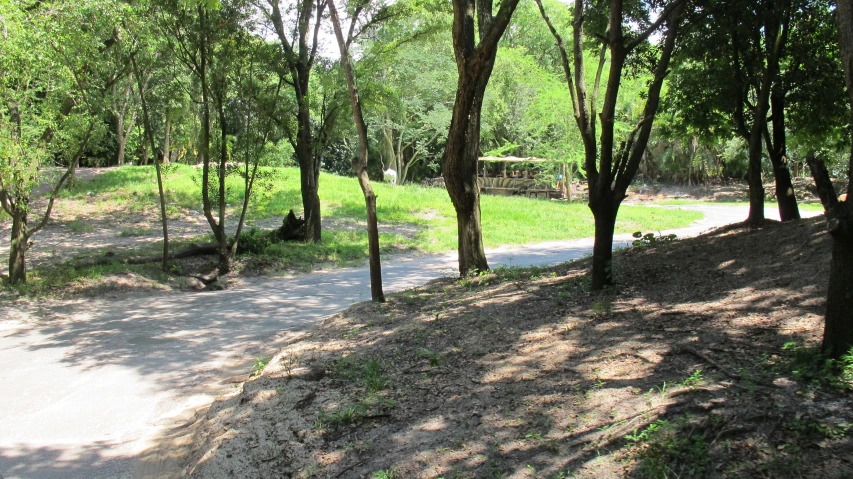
{"x":691,"y":91}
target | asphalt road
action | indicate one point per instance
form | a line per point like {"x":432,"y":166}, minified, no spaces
{"x":87,"y":388}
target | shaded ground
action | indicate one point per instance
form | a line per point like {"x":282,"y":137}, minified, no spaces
{"x":722,"y":191}
{"x":680,"y":372}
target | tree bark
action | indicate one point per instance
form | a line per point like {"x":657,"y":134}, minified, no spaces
{"x":167,"y":132}
{"x":459,"y":163}
{"x":602,"y":252}
{"x":18,"y":248}
{"x":838,"y":328}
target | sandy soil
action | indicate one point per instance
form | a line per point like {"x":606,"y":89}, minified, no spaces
{"x":530,"y":375}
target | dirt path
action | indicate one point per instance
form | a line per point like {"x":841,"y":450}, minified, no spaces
{"x":91,"y":387}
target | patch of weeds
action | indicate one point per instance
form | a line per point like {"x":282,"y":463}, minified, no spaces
{"x":384,"y":474}
{"x":818,"y":430}
{"x":694,"y":379}
{"x":813,"y":367}
{"x":130,"y":232}
{"x":78,"y":226}
{"x":434,"y":358}
{"x":363,"y":371}
{"x":663,"y":451}
{"x":259,"y":365}
{"x":602,"y":308}
{"x":649,"y":239}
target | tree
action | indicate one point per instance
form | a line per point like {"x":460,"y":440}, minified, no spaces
{"x":50,"y":86}
{"x":299,"y":43}
{"x":610,"y":169}
{"x":359,"y":162}
{"x":838,"y":326}
{"x":474,"y":62}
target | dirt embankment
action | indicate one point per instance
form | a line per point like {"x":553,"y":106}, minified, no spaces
{"x":680,"y":372}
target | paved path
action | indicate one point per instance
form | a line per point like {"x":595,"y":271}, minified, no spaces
{"x":87,"y":387}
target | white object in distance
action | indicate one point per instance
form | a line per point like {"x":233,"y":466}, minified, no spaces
{"x":390,"y":176}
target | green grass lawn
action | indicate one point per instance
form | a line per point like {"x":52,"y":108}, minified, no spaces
{"x":506,"y":220}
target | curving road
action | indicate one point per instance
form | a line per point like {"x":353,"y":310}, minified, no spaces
{"x":90,"y":389}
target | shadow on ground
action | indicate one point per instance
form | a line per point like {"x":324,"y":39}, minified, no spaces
{"x":679,"y":372}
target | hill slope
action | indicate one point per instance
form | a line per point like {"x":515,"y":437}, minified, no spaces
{"x":680,"y":372}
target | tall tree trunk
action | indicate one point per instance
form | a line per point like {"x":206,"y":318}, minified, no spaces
{"x":122,"y":139}
{"x":167,"y":132}
{"x":838,"y":330}
{"x":226,"y":259}
{"x":18,"y":248}
{"x":359,"y":163}
{"x":149,"y":133}
{"x":459,"y":163}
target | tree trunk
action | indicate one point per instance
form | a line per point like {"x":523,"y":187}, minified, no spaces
{"x":838,"y":326}
{"x":602,"y":253}
{"x":167,"y":131}
{"x":753,"y":178}
{"x":146,"y":121}
{"x":785,"y":197}
{"x":145,"y":154}
{"x":18,"y":249}
{"x":838,"y":329}
{"x":122,"y":139}
{"x":359,"y":163}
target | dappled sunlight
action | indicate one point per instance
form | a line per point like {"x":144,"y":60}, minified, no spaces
{"x":521,"y":373}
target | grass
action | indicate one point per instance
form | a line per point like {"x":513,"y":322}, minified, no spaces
{"x":506,"y":220}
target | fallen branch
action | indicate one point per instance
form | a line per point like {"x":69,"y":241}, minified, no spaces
{"x":192,"y":250}
{"x":710,"y":361}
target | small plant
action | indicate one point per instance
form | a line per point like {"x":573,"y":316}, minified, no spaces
{"x":694,"y":379}
{"x":665,"y":451}
{"x":385,"y":474}
{"x":78,"y":226}
{"x":649,"y":239}
{"x":130,"y":232}
{"x":602,"y":308}
{"x":289,"y":363}
{"x":434,"y":358}
{"x":260,"y":364}
{"x":365,"y":372}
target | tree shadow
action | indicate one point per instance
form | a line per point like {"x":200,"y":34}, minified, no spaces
{"x":528,"y":374}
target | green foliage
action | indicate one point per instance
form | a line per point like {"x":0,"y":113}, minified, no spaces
{"x":649,"y":239}
{"x":259,"y":365}
{"x":694,"y":379}
{"x":363,"y":372}
{"x":664,"y":451}
{"x":813,"y":367}
{"x":78,"y":226}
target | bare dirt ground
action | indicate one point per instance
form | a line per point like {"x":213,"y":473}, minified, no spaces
{"x":722,"y":191}
{"x":679,"y":372}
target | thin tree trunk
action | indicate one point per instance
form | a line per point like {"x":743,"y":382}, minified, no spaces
{"x":359,"y":164}
{"x":18,"y":248}
{"x":167,"y":132}
{"x":122,"y":139}
{"x":146,"y":120}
